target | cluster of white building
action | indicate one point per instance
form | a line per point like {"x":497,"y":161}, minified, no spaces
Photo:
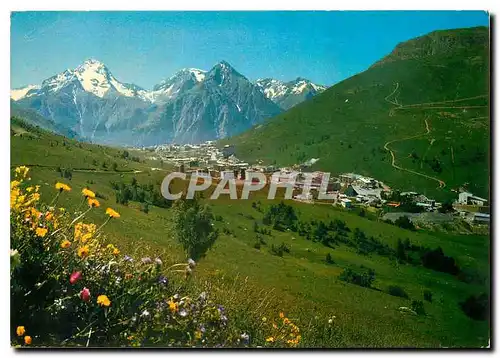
{"x":348,"y":188}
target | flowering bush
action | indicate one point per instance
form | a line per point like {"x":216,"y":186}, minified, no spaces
{"x":69,"y":287}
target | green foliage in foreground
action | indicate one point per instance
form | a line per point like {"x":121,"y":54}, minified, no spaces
{"x":68,"y":288}
{"x":71,"y":288}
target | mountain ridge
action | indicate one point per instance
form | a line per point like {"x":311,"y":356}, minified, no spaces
{"x":100,"y":88}
{"x":192,"y":105}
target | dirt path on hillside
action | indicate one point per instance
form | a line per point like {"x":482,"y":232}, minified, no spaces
{"x":428,"y":105}
{"x":442,"y":184}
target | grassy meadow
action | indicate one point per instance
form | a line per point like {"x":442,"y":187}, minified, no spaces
{"x":301,"y":283}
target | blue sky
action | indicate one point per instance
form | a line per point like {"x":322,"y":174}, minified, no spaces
{"x":146,"y":47}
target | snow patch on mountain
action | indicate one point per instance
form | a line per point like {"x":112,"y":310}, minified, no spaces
{"x":288,"y":94}
{"x":181,"y":81}
{"x":299,"y":87}
{"x":94,"y":77}
{"x":23,"y":92}
{"x":198,"y":74}
{"x":272,"y":88}
{"x":59,"y":81}
{"x":318,"y":88}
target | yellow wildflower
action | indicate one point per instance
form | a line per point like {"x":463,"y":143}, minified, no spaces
{"x":103,"y":300}
{"x":22,"y":170}
{"x":86,"y":237}
{"x":286,"y":321}
{"x":94,"y":203}
{"x":172,"y":305}
{"x":41,"y":231}
{"x":197,"y":334}
{"x":116,"y":251}
{"x":270,"y":339}
{"x":84,"y":231}
{"x":33,"y":212}
{"x":83,"y":251}
{"x":88,"y":193}
{"x":14,"y":194}
{"x":27,"y":339}
{"x":282,"y":315}
{"x":20,"y":331}
{"x":62,"y":186}
{"x":49,"y":215}
{"x":29,"y":189}
{"x":65,"y":244}
{"x":264,"y":319}
{"x":112,"y":213}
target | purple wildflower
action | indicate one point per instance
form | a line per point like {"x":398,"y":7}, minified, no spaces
{"x":146,"y":260}
{"x":162,"y":280}
{"x":128,"y":258}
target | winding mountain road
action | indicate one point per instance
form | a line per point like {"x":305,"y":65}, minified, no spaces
{"x":442,"y":184}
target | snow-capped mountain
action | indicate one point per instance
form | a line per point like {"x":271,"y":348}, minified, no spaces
{"x":19,"y":93}
{"x":288,"y":94}
{"x":222,"y":103}
{"x":88,"y":100}
{"x":190,"y":106}
{"x":177,"y":84}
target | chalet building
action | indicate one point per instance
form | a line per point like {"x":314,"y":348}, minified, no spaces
{"x":466,"y":198}
{"x":357,"y":191}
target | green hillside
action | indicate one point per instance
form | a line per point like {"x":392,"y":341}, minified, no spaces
{"x":417,"y":120}
{"x":246,"y":277}
{"x":32,"y":117}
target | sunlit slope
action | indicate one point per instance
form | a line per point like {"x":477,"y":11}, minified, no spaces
{"x":427,"y":103}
